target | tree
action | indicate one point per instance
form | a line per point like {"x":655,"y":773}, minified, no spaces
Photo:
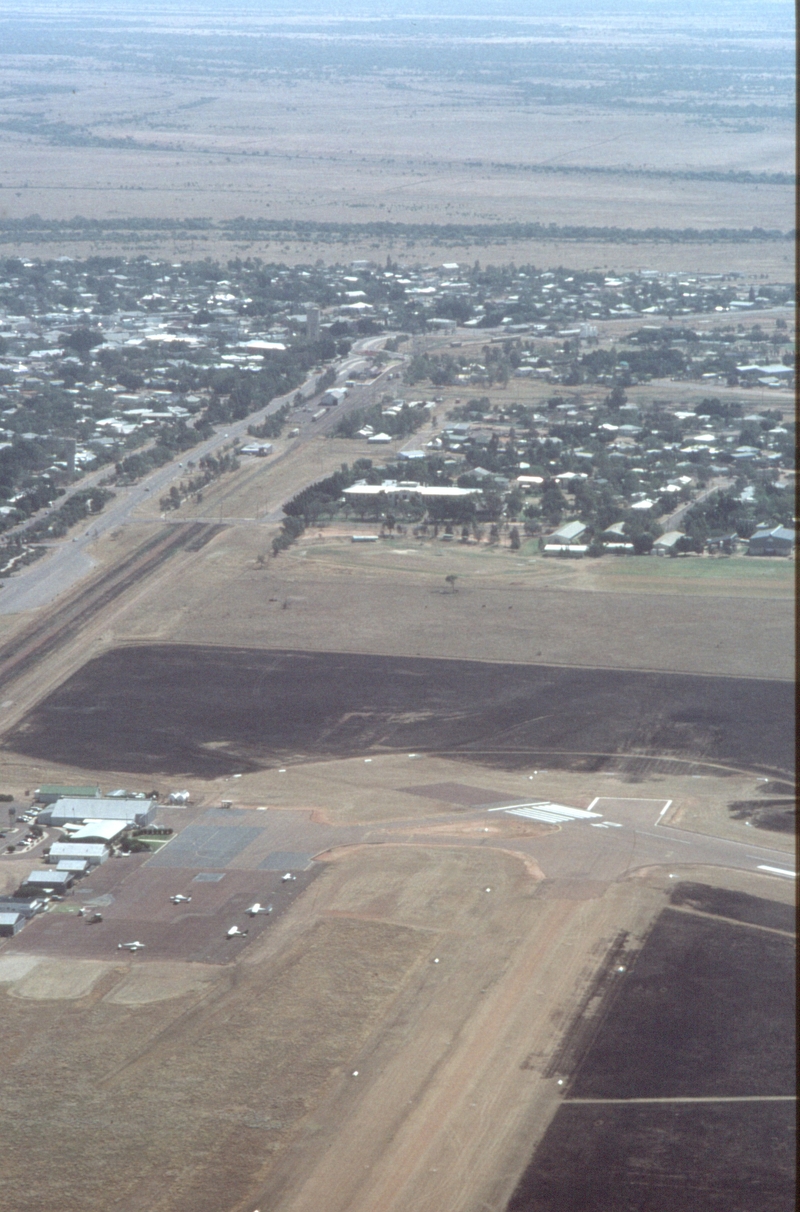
{"x":451,"y":579}
{"x":83,"y":340}
{"x":514,"y":539}
{"x":616,"y":397}
{"x":553,"y":502}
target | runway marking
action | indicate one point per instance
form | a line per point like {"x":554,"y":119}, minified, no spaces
{"x":549,"y":813}
{"x":777,"y":871}
{"x":709,"y":1098}
{"x":633,"y":799}
{"x":665,"y":837}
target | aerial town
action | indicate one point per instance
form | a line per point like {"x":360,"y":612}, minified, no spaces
{"x":109,"y":368}
{"x":398,"y":519}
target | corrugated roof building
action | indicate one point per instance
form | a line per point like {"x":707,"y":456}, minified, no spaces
{"x":10,"y":924}
{"x":101,"y":832}
{"x":77,"y":810}
{"x":570,"y":532}
{"x":38,"y":882}
{"x":48,"y":793}
{"x":93,"y":854}
{"x":779,"y":540}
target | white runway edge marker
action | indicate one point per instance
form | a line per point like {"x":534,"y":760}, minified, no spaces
{"x":777,"y":871}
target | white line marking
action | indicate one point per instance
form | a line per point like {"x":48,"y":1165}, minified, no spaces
{"x":713,"y":1098}
{"x":634,"y":799}
{"x":596,"y":800}
{"x":777,"y":871}
{"x":664,"y":837}
{"x":665,"y":809}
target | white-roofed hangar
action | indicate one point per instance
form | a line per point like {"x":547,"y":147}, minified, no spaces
{"x":76,"y":811}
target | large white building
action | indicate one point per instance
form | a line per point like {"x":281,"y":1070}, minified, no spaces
{"x":76,"y":811}
{"x":92,"y":852}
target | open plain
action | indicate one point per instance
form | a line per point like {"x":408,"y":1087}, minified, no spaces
{"x":189,"y":135}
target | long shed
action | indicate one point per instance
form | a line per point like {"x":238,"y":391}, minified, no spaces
{"x":76,"y":810}
{"x":92,"y":853}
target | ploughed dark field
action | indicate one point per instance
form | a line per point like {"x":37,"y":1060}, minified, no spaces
{"x":706,"y":1010}
{"x":203,"y":711}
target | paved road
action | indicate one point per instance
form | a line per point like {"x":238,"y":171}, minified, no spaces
{"x":42,"y":582}
{"x":610,"y":840}
{"x":673,"y":520}
{"x":620,"y":836}
{"x":630,"y":834}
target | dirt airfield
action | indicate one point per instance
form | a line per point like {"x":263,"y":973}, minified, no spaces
{"x":337,"y":1063}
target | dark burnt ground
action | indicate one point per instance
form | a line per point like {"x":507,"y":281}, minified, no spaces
{"x":667,"y":1157}
{"x":181,"y":709}
{"x":779,"y":816}
{"x":704,"y":1011}
{"x":740,"y":906}
{"x":707,"y":1009}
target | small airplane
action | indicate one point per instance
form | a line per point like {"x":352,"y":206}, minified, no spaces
{"x":135,"y":946}
{"x":288,"y":876}
{"x":235,"y":932}
{"x":180,"y":899}
{"x":258,"y":908}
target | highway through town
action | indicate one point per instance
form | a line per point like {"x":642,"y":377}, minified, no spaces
{"x":39,"y":584}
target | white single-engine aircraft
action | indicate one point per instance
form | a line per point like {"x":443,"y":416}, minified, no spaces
{"x":257,"y":908}
{"x":235,"y":932}
{"x":180,"y":899}
{"x":135,"y":946}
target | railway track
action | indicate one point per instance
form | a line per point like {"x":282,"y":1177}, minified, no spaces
{"x":63,"y":623}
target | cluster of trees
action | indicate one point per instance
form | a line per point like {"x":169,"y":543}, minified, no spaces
{"x":406,"y":421}
{"x":21,"y":548}
{"x":307,"y":506}
{"x":78,"y":506}
{"x":725,"y":513}
{"x":172,"y":440}
{"x":272,"y":426}
{"x":211,"y":468}
{"x":441,"y":370}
